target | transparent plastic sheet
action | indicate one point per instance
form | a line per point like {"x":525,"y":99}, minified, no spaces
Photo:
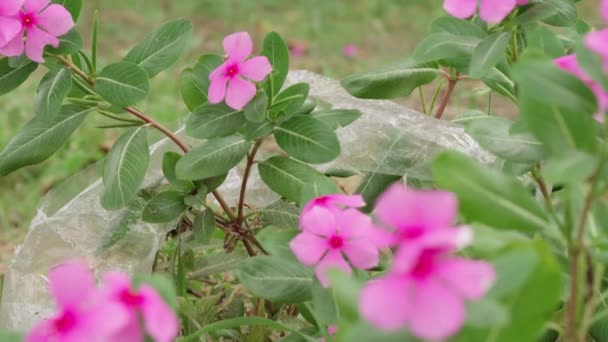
{"x":70,"y":222}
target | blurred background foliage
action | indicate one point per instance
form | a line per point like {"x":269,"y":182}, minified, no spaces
{"x":317,"y":31}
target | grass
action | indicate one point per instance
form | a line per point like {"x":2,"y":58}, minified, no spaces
{"x":383,"y":30}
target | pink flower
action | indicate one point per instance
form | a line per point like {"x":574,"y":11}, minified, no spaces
{"x":335,"y":202}
{"x":143,"y":305}
{"x":227,"y":80}
{"x":329,"y":235}
{"x":350,"y":50}
{"x":10,"y":25}
{"x":81,"y":316}
{"x":604,"y":9}
{"x":570,"y":64}
{"x":331,"y":330}
{"x":428,"y":296}
{"x":410,"y":215}
{"x":493,"y":11}
{"x":597,"y":41}
{"x":42,"y":24}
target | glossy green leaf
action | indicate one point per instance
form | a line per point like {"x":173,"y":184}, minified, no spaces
{"x":170,"y":160}
{"x":276,"y":50}
{"x":194,"y":81}
{"x":554,"y":12}
{"x":161,"y":48}
{"x":53,"y":89}
{"x":487,"y":196}
{"x":308,"y":140}
{"x":213,"y":157}
{"x":543,"y":38}
{"x":488,"y":53}
{"x":325,"y":309}
{"x":282,"y":214}
{"x":574,"y":167}
{"x":336,"y":118}
{"x":204,"y":226}
{"x":276,"y":279}
{"x":286,"y":176}
{"x":276,"y":241}
{"x":165,"y":207}
{"x":255,"y":111}
{"x":11,"y":78}
{"x":41,"y":138}
{"x":214,"y":120}
{"x":456,"y":26}
{"x":124,"y":168}
{"x":255,"y":131}
{"x":445,"y":48}
{"x":122,"y":83}
{"x":392,"y":81}
{"x":288,"y":101}
{"x":499,"y":80}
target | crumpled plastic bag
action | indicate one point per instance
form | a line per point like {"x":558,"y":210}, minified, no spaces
{"x":70,"y":222}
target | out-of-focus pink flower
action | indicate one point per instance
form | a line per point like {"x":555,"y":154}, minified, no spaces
{"x":426,"y":290}
{"x":350,"y":50}
{"x":42,"y":24}
{"x":10,"y":25}
{"x":143,"y":305}
{"x":604,"y":9}
{"x":597,"y":41}
{"x":570,"y":64}
{"x":81,"y":315}
{"x":335,"y":202}
{"x":227,"y":81}
{"x":329,"y":235}
{"x":331,"y":330}
{"x":493,"y":11}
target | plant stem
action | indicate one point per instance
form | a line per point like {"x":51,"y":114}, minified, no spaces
{"x":250,"y":160}
{"x":137,"y":113}
{"x":422,"y":100}
{"x":435,"y":95}
{"x":224,"y":205}
{"x":446,"y":97}
{"x":542,"y":186}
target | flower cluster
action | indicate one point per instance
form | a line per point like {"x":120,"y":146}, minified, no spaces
{"x":492,"y":11}
{"x":113,"y":312}
{"x":427,"y":284}
{"x":597,"y":42}
{"x":39,"y":20}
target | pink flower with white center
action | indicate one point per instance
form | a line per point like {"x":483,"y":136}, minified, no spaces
{"x":570,"y":64}
{"x":142,"y":306}
{"x":335,"y":202}
{"x":492,"y":11}
{"x":42,"y":23}
{"x":81,"y":316}
{"x":410,"y":215}
{"x":329,"y":235}
{"x":228,"y":80}
{"x":10,"y":25}
{"x":426,"y":290}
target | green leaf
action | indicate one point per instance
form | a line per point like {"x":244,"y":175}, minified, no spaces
{"x":499,"y":80}
{"x":124,"y":168}
{"x":11,"y":78}
{"x":41,"y":138}
{"x":122,"y":83}
{"x":276,"y":241}
{"x":214,"y":120}
{"x":290,"y":100}
{"x":94,"y":41}
{"x":554,"y":12}
{"x":321,"y":185}
{"x":69,"y":43}
{"x":308,"y":140}
{"x":546,"y":40}
{"x":219,"y":262}
{"x":337,"y":118}
{"x":53,"y":89}
{"x":346,"y":290}
{"x":276,"y":279}
{"x":73,"y":6}
{"x":325,"y":309}
{"x":10,"y":336}
{"x":204,"y":226}
{"x":574,"y":167}
{"x":374,"y":184}
{"x":161,"y":48}
{"x":255,"y":131}
{"x":256,"y":109}
{"x":392,"y":81}
{"x":170,"y":160}
{"x":277,"y":52}
{"x":488,"y":53}
{"x":162,"y":284}
{"x":165,"y":207}
{"x":213,"y":157}
{"x":286,"y":176}
{"x":487,"y":196}
{"x":282,"y":214}
{"x":456,"y":26}
{"x":445,"y":48}
{"x":194,"y":82}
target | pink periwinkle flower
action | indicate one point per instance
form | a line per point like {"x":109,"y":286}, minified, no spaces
{"x":328,"y":236}
{"x":81,"y":315}
{"x":10,"y":25}
{"x":42,"y":23}
{"x":570,"y":64}
{"x":335,"y":202}
{"x":331,"y":330}
{"x":604,"y":9}
{"x":350,"y":50}
{"x":229,"y":80}
{"x":492,"y":11}
{"x":142,"y":305}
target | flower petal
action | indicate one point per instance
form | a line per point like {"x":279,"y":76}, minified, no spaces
{"x":217,"y":89}
{"x":460,"y":8}
{"x":256,"y":68}
{"x":41,"y":332}
{"x":97,"y":320}
{"x":319,"y":220}
{"x":55,"y":20}
{"x":131,"y":332}
{"x":9,"y":29}
{"x":385,"y":303}
{"x":439,"y":313}
{"x":332,"y":260}
{"x":114,"y":283}
{"x":239,"y":93}
{"x":9,"y":8}
{"x":471,"y":278}
{"x":35,"y":43}
{"x":308,"y":248}
{"x":353,"y":224}
{"x":35,"y":6}
{"x":238,"y":46}
{"x":13,"y":48}
{"x":494,"y":11}
{"x":363,"y":254}
{"x":604,"y":9}
{"x":160,"y":320}
{"x":71,"y":283}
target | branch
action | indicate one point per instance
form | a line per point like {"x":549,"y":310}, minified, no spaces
{"x":446,"y":97}
{"x":250,"y":160}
